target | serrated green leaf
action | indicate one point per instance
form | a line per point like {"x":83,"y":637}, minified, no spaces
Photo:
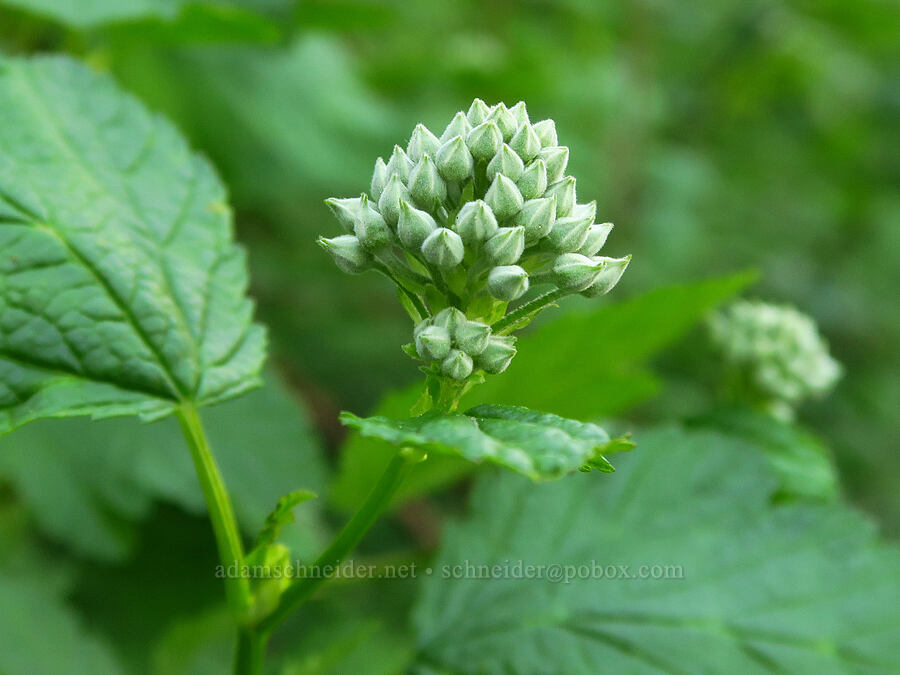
{"x":121,"y":290}
{"x":538,"y":445}
{"x":741,"y":585}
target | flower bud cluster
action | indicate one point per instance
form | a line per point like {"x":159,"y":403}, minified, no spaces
{"x":458,"y":346}
{"x":472,"y":219}
{"x":780,"y":349}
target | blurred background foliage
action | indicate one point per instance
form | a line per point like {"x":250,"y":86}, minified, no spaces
{"x":718,"y":136}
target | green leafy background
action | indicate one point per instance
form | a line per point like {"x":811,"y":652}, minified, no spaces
{"x":719,"y":137}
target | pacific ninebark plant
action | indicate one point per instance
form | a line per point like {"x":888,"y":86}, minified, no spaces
{"x":123,"y":293}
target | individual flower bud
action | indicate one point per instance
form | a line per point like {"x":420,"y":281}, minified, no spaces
{"x":433,"y":343}
{"x":526,"y":143}
{"x":472,"y":337}
{"x":454,"y":161}
{"x":497,"y":355}
{"x":348,"y":253}
{"x":504,"y":197}
{"x":475,"y":222}
{"x":505,"y":247}
{"x":506,"y":162}
{"x":504,"y":120}
{"x":414,"y":226}
{"x":425,"y":183}
{"x":546,"y":131}
{"x":520,"y":113}
{"x":484,"y":141}
{"x":565,"y":195}
{"x":533,"y":182}
{"x":345,"y":210}
{"x":595,"y":239}
{"x":399,"y":164}
{"x":389,"y":202}
{"x":556,"y":158}
{"x":507,"y":282}
{"x":459,"y":126}
{"x":478,"y":112}
{"x":449,"y":318}
{"x":613,"y":269}
{"x":575,"y":271}
{"x":568,"y":234}
{"x":538,"y":217}
{"x":371,"y":230}
{"x":443,"y":248}
{"x":457,"y":365}
{"x":422,"y":142}
{"x":379,"y":178}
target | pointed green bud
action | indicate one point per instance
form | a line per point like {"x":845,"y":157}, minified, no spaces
{"x":457,"y":365}
{"x":450,"y":319}
{"x":345,"y":210}
{"x":613,"y":269}
{"x":454,"y":161}
{"x":425,"y":183}
{"x":371,"y":230}
{"x":575,"y":271}
{"x":433,"y":343}
{"x":569,"y":234}
{"x":520,"y":113}
{"x":348,"y":253}
{"x":478,"y":112}
{"x":505,"y":247}
{"x":399,"y":164}
{"x":475,"y":222}
{"x":506,"y":162}
{"x":585,"y":211}
{"x":497,"y":355}
{"x":533,"y":182}
{"x":459,"y":126}
{"x":484,"y":141}
{"x":504,"y":197}
{"x":526,"y":143}
{"x":379,"y":178}
{"x":565,"y":196}
{"x":443,"y":248}
{"x":595,"y":239}
{"x":546,"y":131}
{"x":421,"y":142}
{"x":556,"y":159}
{"x":538,"y":217}
{"x":472,"y":337}
{"x":507,"y":282}
{"x":414,"y":226}
{"x":389,"y":202}
{"x":505,"y":120}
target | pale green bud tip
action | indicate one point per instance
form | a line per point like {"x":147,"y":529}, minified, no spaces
{"x":478,"y":112}
{"x":533,"y":182}
{"x":472,"y":337}
{"x":504,"y":197}
{"x":596,"y":238}
{"x":507,"y":282}
{"x":497,"y":355}
{"x":504,"y":120}
{"x":565,"y":195}
{"x":575,"y":271}
{"x":421,"y":142}
{"x":569,"y":234}
{"x":459,"y":126}
{"x":425,"y":183}
{"x":443,"y":248}
{"x":379,"y":178}
{"x":348,"y":253}
{"x":526,"y":143}
{"x":433,"y":343}
{"x":613,"y":269}
{"x":389,"y":203}
{"x":458,"y":365}
{"x":546,"y":131}
{"x":449,"y":318}
{"x":400,"y":164}
{"x":556,"y":159}
{"x":414,"y":226}
{"x":520,"y":112}
{"x":538,"y":217}
{"x":506,"y":246}
{"x":371,"y":230}
{"x":345,"y":210}
{"x":506,"y":162}
{"x":454,"y":161}
{"x":475,"y":222}
{"x":484,"y":140}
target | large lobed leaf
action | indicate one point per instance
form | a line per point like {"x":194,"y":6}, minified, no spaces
{"x":121,"y":290}
{"x":762,"y":588}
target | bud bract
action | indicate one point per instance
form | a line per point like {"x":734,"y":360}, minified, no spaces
{"x":575,"y":271}
{"x":484,"y":141}
{"x":389,"y":202}
{"x":538,"y":217}
{"x":504,"y":197}
{"x":348,"y":253}
{"x":421,"y":142}
{"x":565,"y":195}
{"x":569,"y":234}
{"x":433,"y":343}
{"x":459,"y":126}
{"x":533,"y":182}
{"x":454,"y":161}
{"x":526,"y":143}
{"x":507,"y":282}
{"x":520,"y":113}
{"x":472,"y":337}
{"x":506,"y":246}
{"x":546,"y":131}
{"x":556,"y":158}
{"x":613,"y":269}
{"x":399,"y":164}
{"x":345,"y":210}
{"x":379,"y":178}
{"x":443,"y":248}
{"x":475,"y":222}
{"x":414,"y":226}
{"x":506,"y":162}
{"x":498,"y":354}
{"x":425,"y":184}
{"x":458,"y":365}
{"x":504,"y":120}
{"x":371,"y":230}
{"x":478,"y":112}
{"x":595,"y":239}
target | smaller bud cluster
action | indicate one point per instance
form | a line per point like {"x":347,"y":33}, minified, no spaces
{"x":781,"y":350}
{"x":459,"y":346}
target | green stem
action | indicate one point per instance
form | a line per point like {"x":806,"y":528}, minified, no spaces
{"x":251,"y":651}
{"x":348,"y":538}
{"x":508,"y":323}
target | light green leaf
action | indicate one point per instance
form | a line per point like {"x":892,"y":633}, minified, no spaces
{"x":121,"y":290}
{"x":732,"y":583}
{"x":282,"y":515}
{"x":538,"y":445}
